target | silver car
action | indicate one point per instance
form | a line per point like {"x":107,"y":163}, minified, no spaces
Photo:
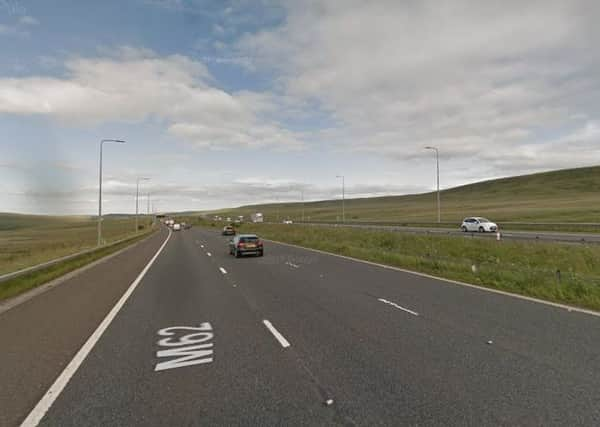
{"x":245,"y":244}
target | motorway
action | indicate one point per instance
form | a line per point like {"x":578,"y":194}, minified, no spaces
{"x":194,"y":337}
{"x":542,"y":236}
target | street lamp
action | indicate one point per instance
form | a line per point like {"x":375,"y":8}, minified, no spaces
{"x":437,"y":161}
{"x":343,"y":197}
{"x":148,"y":207}
{"x":137,"y":195}
{"x":302,"y":197}
{"x":154,"y":206}
{"x":100,"y":188}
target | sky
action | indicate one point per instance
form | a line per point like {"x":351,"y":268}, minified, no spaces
{"x":226,"y":103}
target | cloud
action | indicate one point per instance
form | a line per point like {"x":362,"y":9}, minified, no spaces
{"x":218,"y":30}
{"x":577,"y":148}
{"x":18,"y":28}
{"x":12,"y":7}
{"x":119,"y":194}
{"x":12,"y":165}
{"x":12,"y":30}
{"x":28,"y":20}
{"x":473,"y":78}
{"x":193,"y":7}
{"x":236,"y":134}
{"x":134,"y":85}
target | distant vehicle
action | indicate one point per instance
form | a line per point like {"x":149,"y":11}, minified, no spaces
{"x":257,"y":217}
{"x":245,"y":244}
{"x":287,"y":221}
{"x":477,"y":223}
{"x":187,"y":226}
{"x":228,"y":230}
{"x":176,"y":227}
{"x":228,"y":219}
{"x":237,"y":221}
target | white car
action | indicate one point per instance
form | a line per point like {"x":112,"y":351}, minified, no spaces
{"x":176,"y":227}
{"x":479,"y":224}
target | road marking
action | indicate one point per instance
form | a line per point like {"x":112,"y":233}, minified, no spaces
{"x":291,"y":264}
{"x":202,"y":246}
{"x":38,"y":412}
{"x":208,"y":253}
{"x":223,"y":270}
{"x":442,"y":279}
{"x":393,"y":304}
{"x":284,"y":343}
{"x":190,"y":349}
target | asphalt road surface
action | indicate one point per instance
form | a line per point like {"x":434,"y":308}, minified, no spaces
{"x":296,"y":337}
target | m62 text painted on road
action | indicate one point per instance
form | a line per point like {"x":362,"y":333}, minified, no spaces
{"x":185,"y":350}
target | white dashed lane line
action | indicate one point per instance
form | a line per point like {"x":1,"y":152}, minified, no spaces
{"x":223,"y":270}
{"x":209,"y":254}
{"x":393,"y":304}
{"x":284,"y":343}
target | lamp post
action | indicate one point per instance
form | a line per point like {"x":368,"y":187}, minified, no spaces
{"x":148,"y":206}
{"x":302,"y":197}
{"x":154,"y":206}
{"x":100,"y":187}
{"x":343,"y":197}
{"x":137,"y":195}
{"x":437,"y":162}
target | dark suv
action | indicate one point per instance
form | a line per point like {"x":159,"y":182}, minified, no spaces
{"x":246,"y":244}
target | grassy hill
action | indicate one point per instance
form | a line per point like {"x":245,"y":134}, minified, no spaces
{"x":570,"y":195}
{"x":13,"y":221}
{"x":31,"y":239}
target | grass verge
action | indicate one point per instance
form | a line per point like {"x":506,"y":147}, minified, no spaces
{"x":25,"y":282}
{"x":561,"y":273}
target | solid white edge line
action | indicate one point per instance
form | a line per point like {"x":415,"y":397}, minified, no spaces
{"x":454,"y":282}
{"x":223,"y":270}
{"x":38,"y":412}
{"x":399,"y":307}
{"x":284,"y":343}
